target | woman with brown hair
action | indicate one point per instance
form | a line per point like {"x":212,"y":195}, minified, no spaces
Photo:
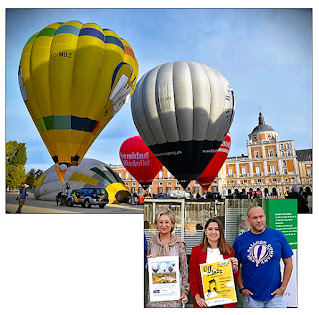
{"x":166,"y":243}
{"x":214,"y":248}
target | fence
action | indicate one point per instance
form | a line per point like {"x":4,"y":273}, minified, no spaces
{"x":191,"y":216}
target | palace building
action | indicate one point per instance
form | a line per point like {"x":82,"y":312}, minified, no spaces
{"x":271,"y":166}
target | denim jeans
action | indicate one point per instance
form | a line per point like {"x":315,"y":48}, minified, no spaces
{"x":276,"y":302}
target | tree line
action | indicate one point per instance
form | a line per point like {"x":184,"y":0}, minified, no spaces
{"x":16,"y":158}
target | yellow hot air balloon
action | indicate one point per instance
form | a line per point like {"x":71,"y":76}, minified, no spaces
{"x":74,"y":78}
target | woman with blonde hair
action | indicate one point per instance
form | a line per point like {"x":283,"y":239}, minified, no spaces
{"x":166,"y":243}
{"x":214,"y":248}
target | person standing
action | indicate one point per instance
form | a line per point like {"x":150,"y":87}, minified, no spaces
{"x":166,"y":243}
{"x":214,"y":248}
{"x":301,"y":200}
{"x":22,"y":197}
{"x":259,"y":251}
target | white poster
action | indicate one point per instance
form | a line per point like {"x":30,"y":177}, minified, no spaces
{"x":164,"y":282}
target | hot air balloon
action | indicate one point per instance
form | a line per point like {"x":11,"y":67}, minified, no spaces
{"x":164,"y":266}
{"x":183,"y":111}
{"x":155,"y":267}
{"x":139,"y":160}
{"x":74,"y":78}
{"x":89,"y":173}
{"x":212,"y":169}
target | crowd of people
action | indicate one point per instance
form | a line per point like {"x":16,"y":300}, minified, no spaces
{"x":255,"y":259}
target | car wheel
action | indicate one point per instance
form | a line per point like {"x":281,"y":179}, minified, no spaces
{"x":69,"y":203}
{"x":87,"y":204}
{"x":101,"y":206}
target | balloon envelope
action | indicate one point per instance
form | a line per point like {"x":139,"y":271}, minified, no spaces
{"x":74,"y":78}
{"x":139,"y":160}
{"x":89,"y":173}
{"x":183,"y":111}
{"x":212,"y":169}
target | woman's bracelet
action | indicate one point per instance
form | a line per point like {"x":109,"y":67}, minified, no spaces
{"x":282,"y":288}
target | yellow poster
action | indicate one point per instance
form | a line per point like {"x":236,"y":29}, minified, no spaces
{"x":218,"y":283}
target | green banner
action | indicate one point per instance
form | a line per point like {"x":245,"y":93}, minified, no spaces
{"x":281,"y":215}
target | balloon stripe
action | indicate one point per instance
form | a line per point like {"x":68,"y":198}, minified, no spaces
{"x":32,"y":39}
{"x":92,"y":32}
{"x":67,"y":122}
{"x":129,"y":51}
{"x":47,"y":32}
{"x":62,"y":122}
{"x":98,"y":171}
{"x":114,"y":40}
{"x":68,"y":29}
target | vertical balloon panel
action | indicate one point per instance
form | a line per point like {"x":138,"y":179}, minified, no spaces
{"x":62,"y":59}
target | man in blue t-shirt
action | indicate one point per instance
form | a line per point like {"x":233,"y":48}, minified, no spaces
{"x":259,"y":252}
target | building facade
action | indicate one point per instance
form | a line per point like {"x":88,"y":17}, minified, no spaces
{"x":271,"y":166}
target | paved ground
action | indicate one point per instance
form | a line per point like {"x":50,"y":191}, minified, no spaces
{"x":34,"y":205}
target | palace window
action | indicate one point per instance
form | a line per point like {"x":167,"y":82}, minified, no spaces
{"x":256,"y":154}
{"x":270,"y":152}
{"x":272,"y":169}
{"x":120,"y":175}
{"x":285,"y":171}
{"x":160,"y":175}
{"x":284,"y":163}
{"x":257,"y":170}
{"x":127,"y":175}
{"x":230,"y":172}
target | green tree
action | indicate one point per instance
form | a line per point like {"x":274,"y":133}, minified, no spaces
{"x":16,"y":158}
{"x":15,"y":175}
{"x":38,"y":174}
{"x":32,"y":176}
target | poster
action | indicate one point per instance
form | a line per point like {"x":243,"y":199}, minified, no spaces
{"x":164,"y":284}
{"x":218,"y":283}
{"x":281,"y":215}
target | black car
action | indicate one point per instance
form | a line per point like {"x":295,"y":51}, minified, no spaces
{"x":86,"y":197}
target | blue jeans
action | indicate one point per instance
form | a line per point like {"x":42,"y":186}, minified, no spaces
{"x":276,"y":302}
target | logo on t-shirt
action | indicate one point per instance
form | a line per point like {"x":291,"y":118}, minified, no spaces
{"x":259,"y":252}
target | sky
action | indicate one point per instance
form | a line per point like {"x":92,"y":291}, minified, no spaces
{"x":266,"y":55}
